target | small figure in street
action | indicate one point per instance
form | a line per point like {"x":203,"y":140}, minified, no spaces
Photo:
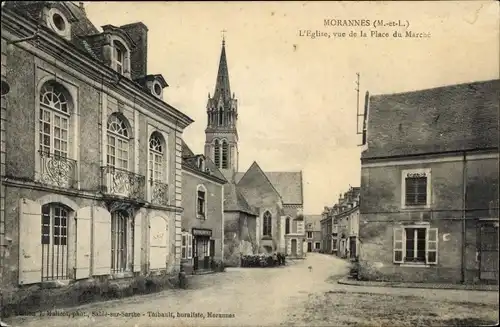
{"x":310,"y":268}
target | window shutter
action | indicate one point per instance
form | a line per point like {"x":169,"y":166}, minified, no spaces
{"x":158,"y":243}
{"x":30,"y":250}
{"x":190,"y":246}
{"x":184,"y":246}
{"x":431,"y":249}
{"x":83,"y":242}
{"x":137,"y":241}
{"x":101,"y":249}
{"x":398,"y":245}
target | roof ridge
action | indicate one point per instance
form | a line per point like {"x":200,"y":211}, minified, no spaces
{"x":433,"y":88}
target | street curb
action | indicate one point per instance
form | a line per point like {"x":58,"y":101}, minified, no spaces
{"x":351,"y":282}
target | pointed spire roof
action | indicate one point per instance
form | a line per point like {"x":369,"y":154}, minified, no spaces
{"x":222,"y":86}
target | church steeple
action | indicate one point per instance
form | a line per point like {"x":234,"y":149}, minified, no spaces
{"x":222,"y":86}
{"x":221,"y":144}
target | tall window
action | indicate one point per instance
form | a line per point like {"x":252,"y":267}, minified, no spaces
{"x":121,"y":232}
{"x":54,"y":241}
{"x":156,"y":157}
{"x":118,"y":143}
{"x":415,"y":244}
{"x":54,"y":119}
{"x":217,"y":153}
{"x":287,"y":225}
{"x":225,"y":155}
{"x":220,"y":117}
{"x":201,"y":202}
{"x":266,"y":226}
{"x":309,"y":235}
{"x":119,"y":57}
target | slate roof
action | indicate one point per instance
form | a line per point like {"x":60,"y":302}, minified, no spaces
{"x":189,"y":159}
{"x":287,"y":184}
{"x":315,"y":220}
{"x":235,"y":201}
{"x":449,"y":118}
{"x":81,"y":26}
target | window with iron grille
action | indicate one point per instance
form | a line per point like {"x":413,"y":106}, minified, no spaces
{"x":54,"y":241}
{"x":416,"y":187}
{"x":122,"y":232}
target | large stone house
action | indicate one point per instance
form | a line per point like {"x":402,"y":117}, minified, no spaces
{"x":429,"y":185}
{"x":313,"y":233}
{"x":262,"y":210}
{"x":90,"y":154}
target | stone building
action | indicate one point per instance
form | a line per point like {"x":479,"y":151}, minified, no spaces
{"x":313,"y":233}
{"x":203,"y":215}
{"x":346,"y":223}
{"x":90,"y":162}
{"x":429,"y":185}
{"x":262,"y":210}
{"x":328,"y":234}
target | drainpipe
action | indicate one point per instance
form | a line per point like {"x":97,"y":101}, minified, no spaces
{"x":464,"y":197}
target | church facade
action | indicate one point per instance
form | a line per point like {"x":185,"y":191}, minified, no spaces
{"x":262,"y":210}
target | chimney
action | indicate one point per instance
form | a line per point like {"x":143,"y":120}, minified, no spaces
{"x":138,"y":32}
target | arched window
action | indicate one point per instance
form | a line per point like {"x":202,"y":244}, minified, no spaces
{"x":54,"y":241}
{"x":220,"y":117}
{"x":201,"y":202}
{"x":54,"y":119}
{"x":217,"y":153}
{"x":156,"y":157}
{"x":225,"y":154}
{"x":266,"y":226}
{"x":287,"y":225}
{"x":118,"y":143}
{"x":119,"y":54}
{"x":121,"y":241}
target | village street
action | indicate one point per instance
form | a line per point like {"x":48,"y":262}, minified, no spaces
{"x":292,"y":295}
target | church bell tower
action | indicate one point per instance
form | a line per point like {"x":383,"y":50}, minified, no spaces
{"x":221,"y":135}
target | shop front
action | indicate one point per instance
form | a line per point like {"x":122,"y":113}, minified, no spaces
{"x":203,"y":249}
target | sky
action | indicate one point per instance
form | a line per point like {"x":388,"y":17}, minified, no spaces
{"x":296,"y":94}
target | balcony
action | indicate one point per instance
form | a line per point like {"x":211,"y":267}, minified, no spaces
{"x":123,"y":183}
{"x":159,"y":193}
{"x":57,"y":170}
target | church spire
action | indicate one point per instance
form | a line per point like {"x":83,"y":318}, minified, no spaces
{"x":222,"y":84}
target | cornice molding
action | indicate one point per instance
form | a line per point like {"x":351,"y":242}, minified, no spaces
{"x":16,"y":26}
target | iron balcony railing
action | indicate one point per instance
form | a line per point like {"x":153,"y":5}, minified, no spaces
{"x":159,"y":193}
{"x":57,"y":170}
{"x":121,"y":182}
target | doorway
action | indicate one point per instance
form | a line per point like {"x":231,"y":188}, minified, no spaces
{"x":201,"y":256}
{"x":294,"y":247}
{"x":309,"y":246}
{"x":488,"y":252}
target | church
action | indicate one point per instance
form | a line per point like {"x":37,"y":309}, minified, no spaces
{"x":263,"y":211}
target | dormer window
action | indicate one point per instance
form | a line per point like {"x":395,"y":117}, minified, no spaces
{"x":58,"y":22}
{"x":119,"y":57}
{"x":201,"y":164}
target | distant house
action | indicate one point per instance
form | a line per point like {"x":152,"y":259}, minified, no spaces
{"x":429,"y":185}
{"x":346,"y":223}
{"x":328,"y":233}
{"x":313,"y":232}
{"x":203,"y":216}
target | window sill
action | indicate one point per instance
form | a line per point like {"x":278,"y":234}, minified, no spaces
{"x":416,"y":208}
{"x":414,"y":265}
{"x":201,"y":217}
{"x":125,"y":274}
